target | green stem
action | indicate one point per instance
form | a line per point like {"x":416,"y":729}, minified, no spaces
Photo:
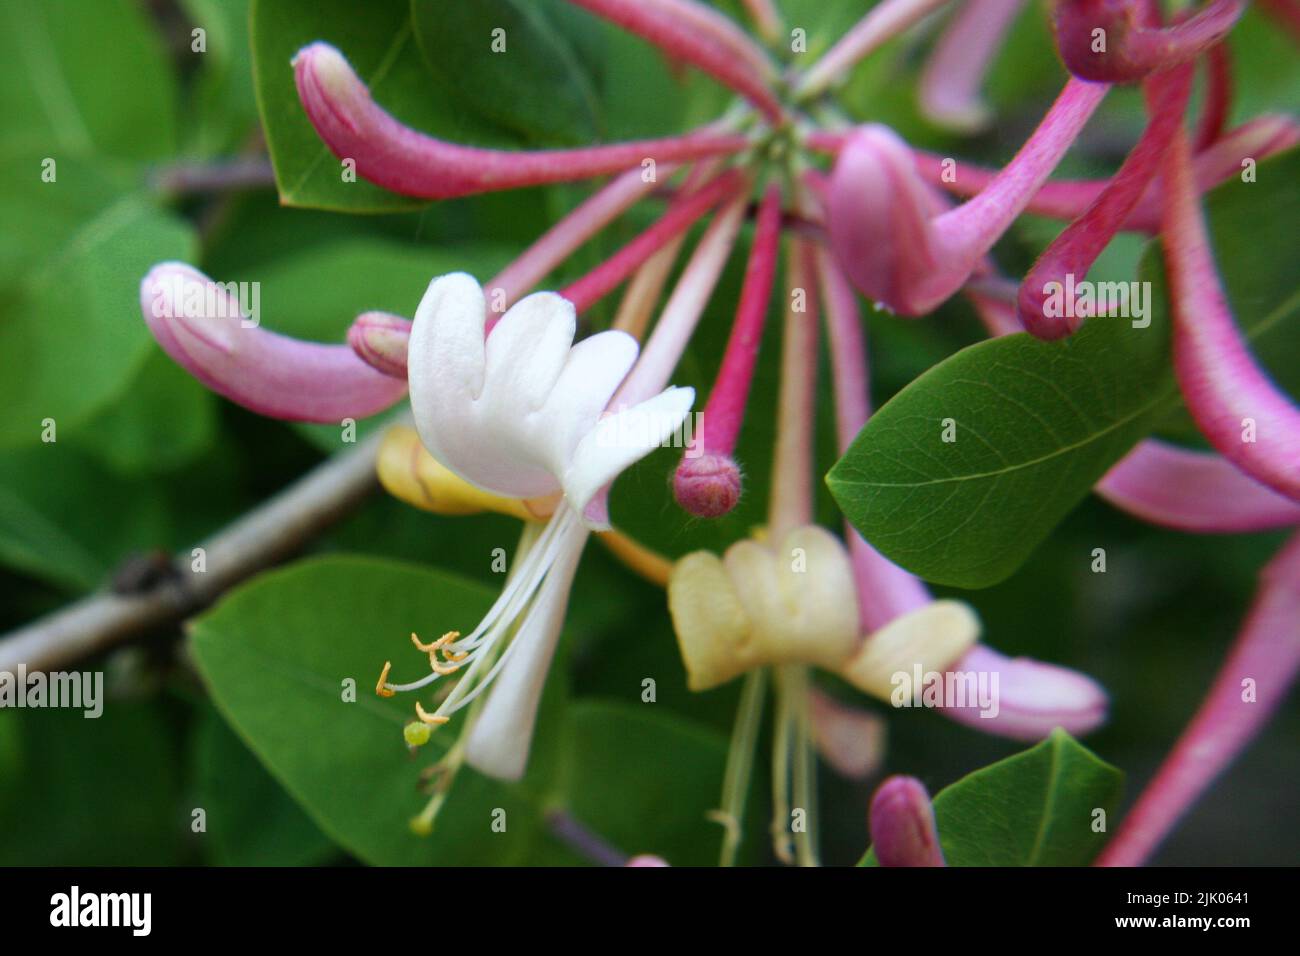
{"x":740,"y":764}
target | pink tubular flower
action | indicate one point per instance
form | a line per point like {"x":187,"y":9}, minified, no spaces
{"x":1030,"y":699}
{"x":396,"y":157}
{"x":1236,"y":406}
{"x":1257,"y":138}
{"x":881,"y":216}
{"x":902,"y":826}
{"x":200,"y":324}
{"x":1070,"y":256}
{"x":950,"y":83}
{"x":1249,"y":687}
{"x":1113,"y":41}
{"x":707,"y":482}
{"x":1193,"y":491}
{"x":699,"y":36}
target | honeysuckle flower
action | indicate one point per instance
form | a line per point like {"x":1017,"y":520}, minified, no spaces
{"x":949,"y":93}
{"x":512,"y":417}
{"x":1250,"y":686}
{"x":889,"y":231}
{"x":1115,"y":41}
{"x":1193,"y":491}
{"x":519,"y":414}
{"x":406,"y":161}
{"x":201,"y":325}
{"x":1234,"y":403}
{"x":707,"y":482}
{"x":1213,"y":164}
{"x":1073,"y":252}
{"x":901,"y":821}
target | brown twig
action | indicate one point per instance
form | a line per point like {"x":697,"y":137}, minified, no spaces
{"x":268,"y":534}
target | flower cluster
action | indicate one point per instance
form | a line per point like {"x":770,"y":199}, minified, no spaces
{"x":511,"y":415}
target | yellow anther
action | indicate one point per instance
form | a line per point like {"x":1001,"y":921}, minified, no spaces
{"x":441,"y":668}
{"x":426,"y":648}
{"x":435,"y":719}
{"x":380,"y":689}
{"x":454,"y":657}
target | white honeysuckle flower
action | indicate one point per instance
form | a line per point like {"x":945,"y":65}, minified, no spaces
{"x":521,"y":412}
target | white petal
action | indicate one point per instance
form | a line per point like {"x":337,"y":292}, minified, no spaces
{"x":620,"y":439}
{"x":595,"y":368}
{"x":526,"y":352}
{"x":445,"y":357}
{"x":502,"y":734}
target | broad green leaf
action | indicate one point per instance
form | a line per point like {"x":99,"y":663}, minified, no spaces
{"x":67,"y":519}
{"x":71,"y":333}
{"x":1031,"y":426}
{"x":131,"y":435}
{"x":250,"y":820}
{"x":379,"y":41}
{"x":1036,"y":424}
{"x":93,"y":792}
{"x":628,"y":764}
{"x":532,"y":82}
{"x":1038,"y":808}
{"x":276,"y":654}
{"x":83,"y":77}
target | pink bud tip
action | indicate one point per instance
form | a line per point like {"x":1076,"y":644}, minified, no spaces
{"x":707,"y":486}
{"x":381,"y":340}
{"x":646,"y":859}
{"x":1114,"y":41}
{"x":903,"y":832}
{"x":205,"y":328}
{"x":1030,"y":699}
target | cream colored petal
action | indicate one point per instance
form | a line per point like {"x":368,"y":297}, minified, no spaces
{"x":932,"y":638}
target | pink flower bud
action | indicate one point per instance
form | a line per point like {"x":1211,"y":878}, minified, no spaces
{"x":201,"y":325}
{"x":902,"y":825}
{"x":708,"y":486}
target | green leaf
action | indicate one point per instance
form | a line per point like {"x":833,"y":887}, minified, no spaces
{"x":1035,"y":425}
{"x":1038,"y":808}
{"x":379,"y":41}
{"x":80,"y":77}
{"x":535,"y":86}
{"x":275,"y":654}
{"x":132,"y":437}
{"x":611,"y":785}
{"x":251,"y":821}
{"x":65,"y":518}
{"x":1038,"y":423}
{"x":93,"y":792}
{"x":71,"y":333}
